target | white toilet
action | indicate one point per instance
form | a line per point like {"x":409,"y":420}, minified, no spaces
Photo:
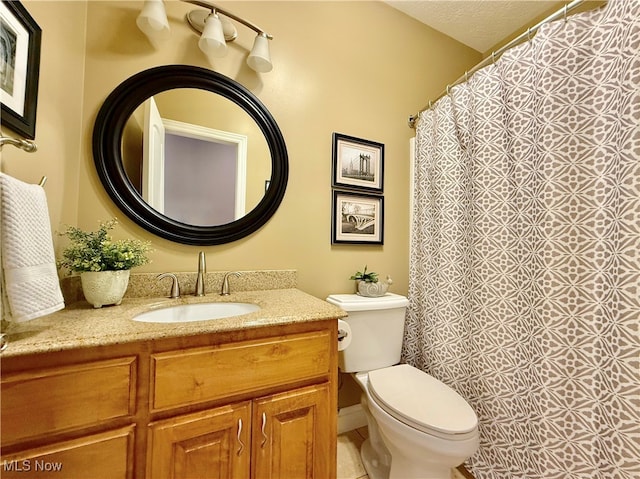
{"x":418,"y":426}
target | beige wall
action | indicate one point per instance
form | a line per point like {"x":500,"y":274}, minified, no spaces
{"x":358,"y":68}
{"x":59,"y":113}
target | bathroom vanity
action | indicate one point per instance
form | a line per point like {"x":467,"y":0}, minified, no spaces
{"x":251,"y":396}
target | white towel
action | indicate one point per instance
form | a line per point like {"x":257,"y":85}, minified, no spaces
{"x":30,"y":277}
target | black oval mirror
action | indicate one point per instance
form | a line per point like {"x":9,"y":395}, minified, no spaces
{"x":109,"y":129}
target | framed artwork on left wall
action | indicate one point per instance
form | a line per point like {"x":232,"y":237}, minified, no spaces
{"x":20,"y":39}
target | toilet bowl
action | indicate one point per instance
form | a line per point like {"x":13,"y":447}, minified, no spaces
{"x":419,"y":428}
{"x":426,"y":427}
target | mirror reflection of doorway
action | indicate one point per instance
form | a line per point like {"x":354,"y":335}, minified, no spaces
{"x":202,"y":198}
{"x":193,"y":174}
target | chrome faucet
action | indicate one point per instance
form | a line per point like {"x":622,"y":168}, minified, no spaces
{"x":175,"y":287}
{"x":202,"y":269}
{"x":225,"y":282}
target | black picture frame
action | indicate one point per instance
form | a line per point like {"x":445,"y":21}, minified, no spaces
{"x":357,"y":218}
{"x":20,"y":42}
{"x":358,"y":164}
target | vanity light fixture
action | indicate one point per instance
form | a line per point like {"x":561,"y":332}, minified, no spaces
{"x":213,"y":25}
{"x":153,"y":21}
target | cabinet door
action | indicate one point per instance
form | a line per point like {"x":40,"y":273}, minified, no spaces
{"x":107,"y":455}
{"x":212,"y":444}
{"x":291,"y":435}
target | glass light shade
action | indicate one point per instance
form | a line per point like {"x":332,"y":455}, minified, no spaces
{"x":212,"y":41}
{"x":153,"y":22}
{"x":259,"y":58}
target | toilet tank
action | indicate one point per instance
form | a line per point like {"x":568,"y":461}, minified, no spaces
{"x":377,"y":328}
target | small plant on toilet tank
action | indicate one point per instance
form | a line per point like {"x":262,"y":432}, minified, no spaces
{"x":368,"y":283}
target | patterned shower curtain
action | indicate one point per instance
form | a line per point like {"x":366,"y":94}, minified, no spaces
{"x":525,"y":255}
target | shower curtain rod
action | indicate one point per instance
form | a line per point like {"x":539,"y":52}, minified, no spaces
{"x":495,"y":55}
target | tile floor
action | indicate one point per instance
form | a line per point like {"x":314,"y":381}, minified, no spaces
{"x":349,"y":464}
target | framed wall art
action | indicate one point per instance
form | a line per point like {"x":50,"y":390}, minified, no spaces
{"x":357,"y":163}
{"x":357,"y":218}
{"x":20,"y":38}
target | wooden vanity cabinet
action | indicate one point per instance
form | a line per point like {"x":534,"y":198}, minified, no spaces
{"x":71,"y":421}
{"x":284,"y":424}
{"x":258,"y":403}
{"x":279,"y":436}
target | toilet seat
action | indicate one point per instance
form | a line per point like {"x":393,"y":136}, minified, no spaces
{"x":422,"y":402}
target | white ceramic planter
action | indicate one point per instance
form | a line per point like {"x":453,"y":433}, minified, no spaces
{"x":101,"y":288}
{"x":372,"y":290}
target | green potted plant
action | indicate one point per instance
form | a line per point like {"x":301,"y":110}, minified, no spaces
{"x":367,"y":277}
{"x":103,"y":264}
{"x":368,"y":284}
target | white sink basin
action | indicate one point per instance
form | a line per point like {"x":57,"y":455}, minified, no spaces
{"x":186,"y":313}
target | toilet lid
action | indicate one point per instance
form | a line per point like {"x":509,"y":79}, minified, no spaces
{"x":421,"y":401}
{"x":355,"y":302}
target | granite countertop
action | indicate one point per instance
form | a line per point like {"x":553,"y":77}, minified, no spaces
{"x":80,"y":325}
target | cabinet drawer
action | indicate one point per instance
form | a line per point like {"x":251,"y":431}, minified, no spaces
{"x":52,"y":400}
{"x":182,"y":378}
{"x":107,"y":455}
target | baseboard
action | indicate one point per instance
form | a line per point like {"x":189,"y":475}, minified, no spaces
{"x":350,"y":418}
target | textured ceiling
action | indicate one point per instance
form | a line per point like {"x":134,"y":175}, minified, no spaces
{"x":479,"y":24}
